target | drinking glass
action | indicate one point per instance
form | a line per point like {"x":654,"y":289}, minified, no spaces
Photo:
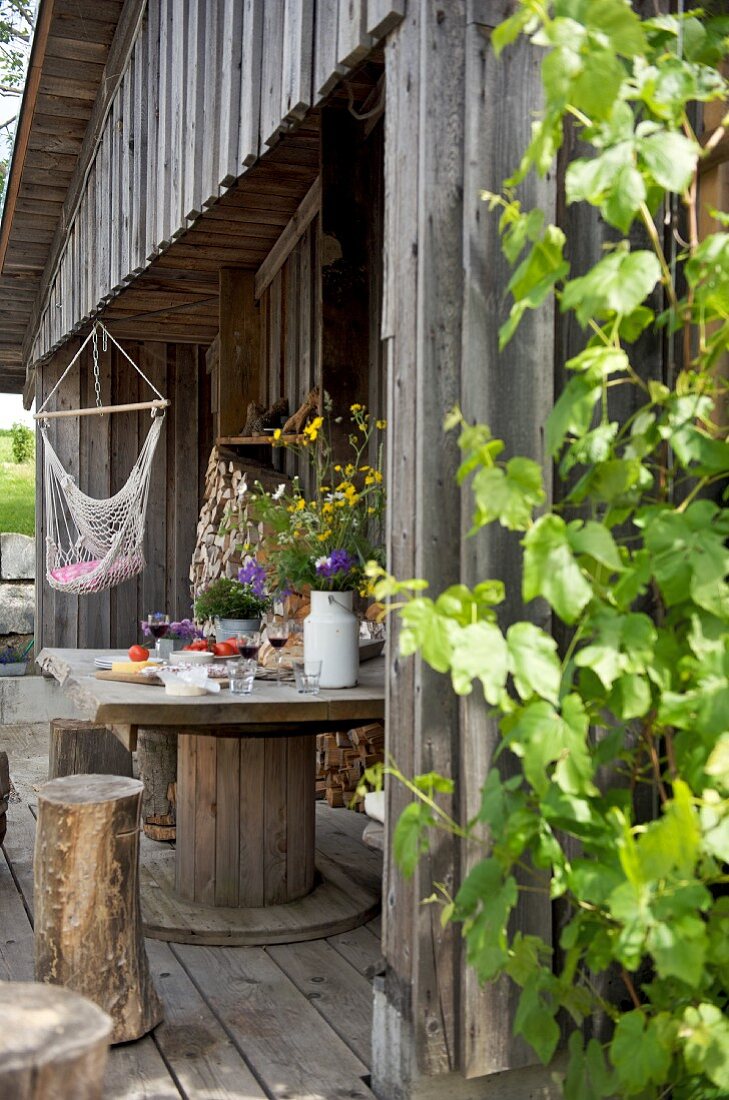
{"x":249,"y":644}
{"x":241,"y":674}
{"x":306,"y":676}
{"x":159,"y":626}
{"x":277,"y":632}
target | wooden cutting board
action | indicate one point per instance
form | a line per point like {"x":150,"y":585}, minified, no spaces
{"x":128,"y":678}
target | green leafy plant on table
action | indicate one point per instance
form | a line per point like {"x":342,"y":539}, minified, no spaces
{"x":227,"y":598}
{"x":633,"y":562}
{"x":323,"y":543}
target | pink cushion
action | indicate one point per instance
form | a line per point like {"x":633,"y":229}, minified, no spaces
{"x":68,"y":573}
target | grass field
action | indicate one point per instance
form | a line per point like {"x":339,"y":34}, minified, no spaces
{"x":17,"y":490}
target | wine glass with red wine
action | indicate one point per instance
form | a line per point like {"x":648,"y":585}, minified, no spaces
{"x":277,"y":632}
{"x":249,"y":644}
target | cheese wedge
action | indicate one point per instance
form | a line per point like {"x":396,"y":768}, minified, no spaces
{"x":129,"y":666}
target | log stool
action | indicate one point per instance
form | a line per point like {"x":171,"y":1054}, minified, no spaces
{"x":54,"y":1043}
{"x":88,"y":928}
{"x":81,"y":748}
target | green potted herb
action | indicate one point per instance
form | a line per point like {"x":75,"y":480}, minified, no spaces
{"x":235,"y":606}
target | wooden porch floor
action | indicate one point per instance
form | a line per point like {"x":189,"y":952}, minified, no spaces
{"x":290,"y":1022}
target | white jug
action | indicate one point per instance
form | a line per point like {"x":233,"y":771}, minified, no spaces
{"x":331,"y":635}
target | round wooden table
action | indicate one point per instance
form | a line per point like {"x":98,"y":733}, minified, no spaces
{"x":245,"y":867}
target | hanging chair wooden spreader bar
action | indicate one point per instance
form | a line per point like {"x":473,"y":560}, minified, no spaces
{"x":101,"y":410}
{"x":94,"y":544}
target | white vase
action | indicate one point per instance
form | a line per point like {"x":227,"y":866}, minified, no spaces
{"x":331,"y":635}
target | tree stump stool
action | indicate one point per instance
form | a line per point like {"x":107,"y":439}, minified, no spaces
{"x":81,"y":748}
{"x":88,"y":928}
{"x":54,"y":1043}
{"x":4,"y":793}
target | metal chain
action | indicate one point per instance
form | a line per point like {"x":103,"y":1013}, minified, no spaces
{"x":95,"y":348}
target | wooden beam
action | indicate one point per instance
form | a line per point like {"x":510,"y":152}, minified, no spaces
{"x":27,"y":110}
{"x":117,"y":61}
{"x":239,"y":365}
{"x":308,"y":209}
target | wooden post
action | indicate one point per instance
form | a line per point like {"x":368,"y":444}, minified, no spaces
{"x":88,"y":928}
{"x":157,"y":760}
{"x":245,"y":819}
{"x":238,"y":373}
{"x":344,"y":261}
{"x":81,"y":748}
{"x":54,"y":1044}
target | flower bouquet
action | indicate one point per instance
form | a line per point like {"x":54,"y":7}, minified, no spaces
{"x":319,"y":544}
{"x":324,"y":542}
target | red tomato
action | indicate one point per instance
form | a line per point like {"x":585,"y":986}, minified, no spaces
{"x":233,"y":642}
{"x":224,"y":649}
{"x":199,"y":644}
{"x":138,"y":653}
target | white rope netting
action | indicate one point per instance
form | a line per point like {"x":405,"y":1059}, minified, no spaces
{"x":95,"y":544}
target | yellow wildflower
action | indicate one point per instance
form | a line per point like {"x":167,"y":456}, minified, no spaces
{"x":370,"y":511}
{"x":381,"y":424}
{"x":349,"y":470}
{"x":338,"y":469}
{"x":377,"y":476}
{"x":277,"y":435}
{"x":370,"y":479}
{"x":364,"y":469}
{"x":327,"y":508}
{"x":324,"y":536}
{"x":300,"y":504}
{"x":356,"y":408}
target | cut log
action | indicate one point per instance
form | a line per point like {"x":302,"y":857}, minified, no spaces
{"x":81,"y":748}
{"x":157,"y":762}
{"x":54,"y":1043}
{"x":88,"y":928}
{"x":4,"y":793}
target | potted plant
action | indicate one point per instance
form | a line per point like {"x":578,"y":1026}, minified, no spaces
{"x":321,"y":545}
{"x":13,"y":659}
{"x":235,"y":606}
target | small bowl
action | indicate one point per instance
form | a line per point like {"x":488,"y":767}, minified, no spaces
{"x":192,"y":657}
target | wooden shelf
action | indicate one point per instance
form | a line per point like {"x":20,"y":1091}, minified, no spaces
{"x":255,"y":440}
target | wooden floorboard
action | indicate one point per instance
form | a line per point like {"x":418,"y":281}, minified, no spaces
{"x":290,"y":1022}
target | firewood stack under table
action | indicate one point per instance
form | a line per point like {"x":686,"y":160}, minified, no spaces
{"x":341,"y":759}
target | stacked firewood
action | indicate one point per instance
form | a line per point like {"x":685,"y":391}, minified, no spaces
{"x":222,"y":529}
{"x":341,"y":759}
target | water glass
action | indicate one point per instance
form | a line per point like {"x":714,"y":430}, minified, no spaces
{"x":241,"y":675}
{"x":306,"y":675}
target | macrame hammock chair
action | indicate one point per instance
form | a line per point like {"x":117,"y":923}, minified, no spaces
{"x":95,"y":544}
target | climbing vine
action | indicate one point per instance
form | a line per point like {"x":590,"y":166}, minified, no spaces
{"x":633,"y":563}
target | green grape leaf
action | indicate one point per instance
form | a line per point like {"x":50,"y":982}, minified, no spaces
{"x":534,"y":662}
{"x":595,"y":541}
{"x":705,"y":1035}
{"x":427,"y":631}
{"x":638,"y":1053}
{"x":410,"y":839}
{"x":484,"y":903}
{"x":618,"y":283}
{"x":573,"y":410}
{"x":587,"y":1073}
{"x":510,"y":494}
{"x":534,"y":1018}
{"x":551,"y":569}
{"x":679,"y":949}
{"x":673,"y":841}
{"x":479,"y":652}
{"x":670,"y":158}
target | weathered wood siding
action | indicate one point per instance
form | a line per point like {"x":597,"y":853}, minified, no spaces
{"x":208,"y":87}
{"x":99,"y":452}
{"x":456,"y":121}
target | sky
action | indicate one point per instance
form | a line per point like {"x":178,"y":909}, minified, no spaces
{"x":11,"y":410}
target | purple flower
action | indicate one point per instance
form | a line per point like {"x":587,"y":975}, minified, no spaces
{"x":185,"y":629}
{"x":339,"y":561}
{"x":254,"y":575}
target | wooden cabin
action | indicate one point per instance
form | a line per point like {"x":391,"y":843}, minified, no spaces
{"x":257,"y":196}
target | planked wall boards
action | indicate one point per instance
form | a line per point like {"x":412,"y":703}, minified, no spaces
{"x":99,"y":452}
{"x":443,"y":303}
{"x":208,"y":88}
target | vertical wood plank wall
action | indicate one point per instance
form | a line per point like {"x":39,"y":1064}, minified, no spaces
{"x":99,"y":452}
{"x":450,"y":131}
{"x":210,"y":85}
